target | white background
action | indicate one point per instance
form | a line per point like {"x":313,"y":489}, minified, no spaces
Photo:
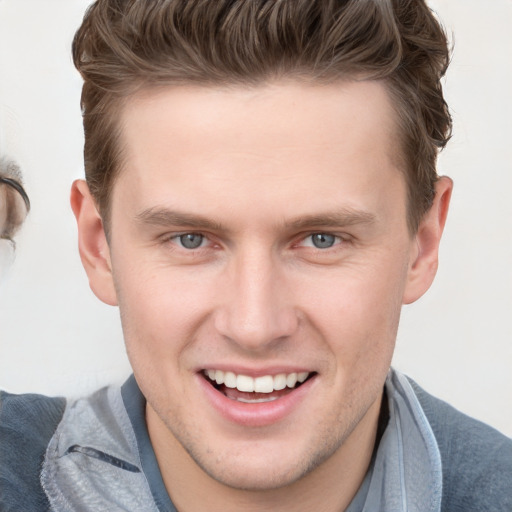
{"x":57,"y":338}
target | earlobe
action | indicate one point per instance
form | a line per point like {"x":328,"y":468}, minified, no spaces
{"x":92,"y":243}
{"x":423,"y":266}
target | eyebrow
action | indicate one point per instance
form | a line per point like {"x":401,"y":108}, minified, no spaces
{"x":158,"y":216}
{"x":340,"y":218}
{"x":161,"y":216}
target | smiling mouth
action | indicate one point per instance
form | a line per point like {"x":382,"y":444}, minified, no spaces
{"x":253,"y":390}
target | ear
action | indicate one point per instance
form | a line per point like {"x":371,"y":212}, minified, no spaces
{"x":424,"y":262}
{"x":92,"y":243}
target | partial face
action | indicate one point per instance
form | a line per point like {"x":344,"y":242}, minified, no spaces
{"x":260,"y":256}
{"x":12,"y":213}
{"x":13,"y":209}
{"x":3,"y":207}
{"x":5,"y":248}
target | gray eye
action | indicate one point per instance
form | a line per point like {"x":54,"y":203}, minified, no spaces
{"x":322,"y":240}
{"x":191,"y":240}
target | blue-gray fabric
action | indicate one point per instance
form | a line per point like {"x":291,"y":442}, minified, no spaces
{"x":476,"y":459}
{"x":95,"y":454}
{"x":135,"y":404}
{"x":27,"y":423}
{"x":406,"y":470}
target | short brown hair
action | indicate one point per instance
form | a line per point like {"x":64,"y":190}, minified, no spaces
{"x":125,"y":45}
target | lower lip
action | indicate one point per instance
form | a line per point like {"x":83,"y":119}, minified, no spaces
{"x":256,"y":414}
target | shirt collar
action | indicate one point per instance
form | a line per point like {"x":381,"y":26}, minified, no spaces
{"x":405,"y":474}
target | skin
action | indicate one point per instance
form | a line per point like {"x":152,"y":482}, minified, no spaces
{"x":12,"y":210}
{"x":3,"y":207}
{"x":258,"y":171}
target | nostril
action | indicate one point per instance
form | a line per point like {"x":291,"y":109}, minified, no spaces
{"x":255,"y":325}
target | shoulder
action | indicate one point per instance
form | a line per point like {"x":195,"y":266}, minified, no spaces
{"x":476,"y":459}
{"x":27,"y":423}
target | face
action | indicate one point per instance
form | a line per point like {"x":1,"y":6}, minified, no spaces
{"x":260,"y":255}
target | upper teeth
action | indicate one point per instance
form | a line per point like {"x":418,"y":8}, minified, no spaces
{"x":263,"y":384}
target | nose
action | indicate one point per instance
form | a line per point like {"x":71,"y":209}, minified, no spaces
{"x":257,"y":311}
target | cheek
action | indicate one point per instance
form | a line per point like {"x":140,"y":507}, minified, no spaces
{"x":357,"y":322}
{"x":358,"y":312}
{"x":163,"y":313}
{"x":154,"y":309}
{"x":160,"y":319}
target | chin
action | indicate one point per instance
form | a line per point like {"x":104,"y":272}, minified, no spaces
{"x":255,"y":478}
{"x":263,"y":468}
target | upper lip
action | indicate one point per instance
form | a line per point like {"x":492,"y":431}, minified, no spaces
{"x":256,"y":372}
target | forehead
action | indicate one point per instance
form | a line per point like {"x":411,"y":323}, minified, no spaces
{"x":253,"y":143}
{"x":282,"y":108}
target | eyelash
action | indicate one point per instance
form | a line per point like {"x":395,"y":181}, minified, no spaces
{"x":338,"y":240}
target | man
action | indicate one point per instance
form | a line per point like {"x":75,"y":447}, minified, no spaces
{"x":261,"y":199}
